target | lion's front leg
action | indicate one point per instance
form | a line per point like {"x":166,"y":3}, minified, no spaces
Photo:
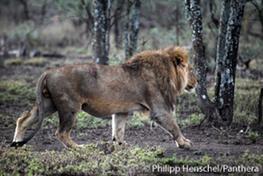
{"x":169,"y":124}
{"x":118,"y":127}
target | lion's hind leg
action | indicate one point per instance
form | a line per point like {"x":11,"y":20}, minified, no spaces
{"x":66,"y":122}
{"x":118,"y":127}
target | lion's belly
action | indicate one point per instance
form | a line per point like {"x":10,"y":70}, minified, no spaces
{"x":107,"y":108}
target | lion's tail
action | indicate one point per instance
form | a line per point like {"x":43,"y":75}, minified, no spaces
{"x":40,"y":106}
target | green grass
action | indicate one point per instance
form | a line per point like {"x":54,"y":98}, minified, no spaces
{"x":91,"y":160}
{"x":249,"y":158}
{"x":18,"y":92}
{"x":138,"y":120}
{"x":192,"y":119}
{"x":104,"y":159}
{"x":36,"y":61}
{"x":15,"y":61}
{"x":253,"y":136}
{"x":246,"y":100}
{"x":85,"y":120}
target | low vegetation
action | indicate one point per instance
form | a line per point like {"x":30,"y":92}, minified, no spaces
{"x":15,"y":91}
{"x":35,"y":61}
{"x":101,"y":159}
{"x":246,"y":100}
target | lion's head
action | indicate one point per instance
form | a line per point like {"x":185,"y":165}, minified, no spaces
{"x":182,"y":66}
{"x":170,"y":68}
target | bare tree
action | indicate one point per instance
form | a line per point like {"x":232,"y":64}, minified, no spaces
{"x":101,"y":30}
{"x":25,"y":8}
{"x":260,"y":107}
{"x":195,"y":19}
{"x":224,"y":16}
{"x":117,"y":25}
{"x":132,"y":27}
{"x":259,"y":8}
{"x":227,"y":49}
{"x":227,"y":63}
{"x":89,"y":19}
{"x":212,"y":7}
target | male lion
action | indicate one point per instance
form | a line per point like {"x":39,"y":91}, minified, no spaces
{"x":149,"y":81}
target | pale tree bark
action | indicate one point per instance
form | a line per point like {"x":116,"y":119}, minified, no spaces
{"x":227,"y":63}
{"x":200,"y":63}
{"x":101,"y":30}
{"x":132,"y":27}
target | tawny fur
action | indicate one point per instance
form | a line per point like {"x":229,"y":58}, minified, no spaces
{"x":149,"y":81}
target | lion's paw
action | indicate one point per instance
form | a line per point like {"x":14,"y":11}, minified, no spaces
{"x":184,"y":143}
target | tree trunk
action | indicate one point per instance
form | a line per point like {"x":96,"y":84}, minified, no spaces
{"x":227,"y":62}
{"x":132,"y":28}
{"x":101,"y":31}
{"x":108,"y":25}
{"x":117,"y":15}
{"x":117,"y":39}
{"x":260,"y":107}
{"x":259,"y":8}
{"x":25,"y":7}
{"x":224,"y":16}
{"x":127,"y":29}
{"x":195,"y":19}
{"x":89,"y":20}
{"x":177,"y":26}
{"x":43,"y":11}
{"x":227,"y":47}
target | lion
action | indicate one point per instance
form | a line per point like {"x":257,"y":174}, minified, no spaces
{"x":149,"y":81}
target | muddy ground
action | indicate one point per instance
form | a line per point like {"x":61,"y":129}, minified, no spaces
{"x":222,"y":145}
